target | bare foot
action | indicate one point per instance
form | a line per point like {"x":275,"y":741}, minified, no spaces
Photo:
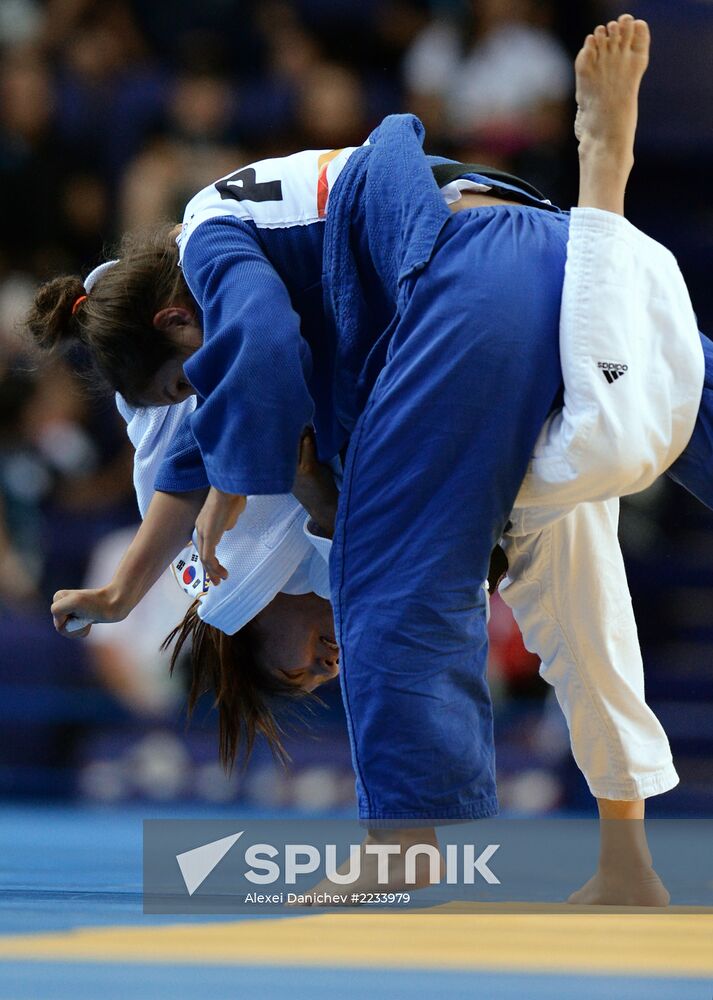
{"x":636,"y":888}
{"x":609,"y":69}
{"x":390,"y":861}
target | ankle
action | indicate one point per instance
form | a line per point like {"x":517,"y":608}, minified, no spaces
{"x":606,"y":153}
{"x":406,"y":836}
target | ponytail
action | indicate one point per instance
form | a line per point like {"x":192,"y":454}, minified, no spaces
{"x":114,"y":318}
{"x":53,"y":321}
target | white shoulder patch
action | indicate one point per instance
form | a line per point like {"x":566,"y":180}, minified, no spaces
{"x":273,"y":194}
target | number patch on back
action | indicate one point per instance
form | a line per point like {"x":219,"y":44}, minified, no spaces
{"x":244,"y":186}
{"x":271,"y":194}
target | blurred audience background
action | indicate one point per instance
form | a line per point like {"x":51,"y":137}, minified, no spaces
{"x":112,"y":114}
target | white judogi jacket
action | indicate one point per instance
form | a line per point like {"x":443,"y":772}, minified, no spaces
{"x":269,"y":550}
{"x":633,"y":372}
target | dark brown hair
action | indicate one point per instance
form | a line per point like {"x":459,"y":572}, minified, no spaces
{"x":246,"y":694}
{"x":115,"y":321}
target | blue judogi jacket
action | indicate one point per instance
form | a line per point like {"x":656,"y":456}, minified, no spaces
{"x":297,"y":315}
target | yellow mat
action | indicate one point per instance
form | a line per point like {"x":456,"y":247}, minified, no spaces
{"x":666,"y":943}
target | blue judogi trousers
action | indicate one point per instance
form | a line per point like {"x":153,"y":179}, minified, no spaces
{"x":432,"y":471}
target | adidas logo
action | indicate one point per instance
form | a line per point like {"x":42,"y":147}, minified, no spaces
{"x":611,"y":370}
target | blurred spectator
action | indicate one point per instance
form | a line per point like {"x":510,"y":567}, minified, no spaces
{"x":497,"y":83}
{"x":16,"y":293}
{"x":33,"y":164}
{"x":17,"y":582}
{"x":110,"y":91}
{"x":85,"y":214}
{"x":126,"y":656}
{"x":332,"y":108}
{"x":20,"y":22}
{"x":510,"y":667}
{"x":192,"y":146}
{"x":268,"y":102}
{"x":25,"y":482}
{"x":291,"y":50}
{"x":173,"y":29}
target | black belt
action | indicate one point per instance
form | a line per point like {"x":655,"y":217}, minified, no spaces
{"x":445,"y":173}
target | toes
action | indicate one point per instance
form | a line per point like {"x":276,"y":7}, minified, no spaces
{"x":613,"y":32}
{"x":587,"y":55}
{"x":626,"y":28}
{"x":601,"y":39}
{"x":641,"y":36}
{"x":586,"y":61}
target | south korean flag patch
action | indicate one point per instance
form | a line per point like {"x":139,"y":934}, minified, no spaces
{"x":190,"y":576}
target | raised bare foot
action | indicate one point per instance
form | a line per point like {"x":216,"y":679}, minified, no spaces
{"x":609,"y":69}
{"x":634,"y":888}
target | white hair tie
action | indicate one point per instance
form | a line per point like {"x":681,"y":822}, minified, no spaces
{"x":93,"y":276}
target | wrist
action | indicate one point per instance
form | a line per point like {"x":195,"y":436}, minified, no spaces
{"x":324,"y":519}
{"x":117,"y":602}
{"x":315,"y":529}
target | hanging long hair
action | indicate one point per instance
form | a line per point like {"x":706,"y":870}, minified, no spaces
{"x":246,"y":694}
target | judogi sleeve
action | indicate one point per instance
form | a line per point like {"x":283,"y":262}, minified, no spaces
{"x":252,"y":371}
{"x":182,"y":468}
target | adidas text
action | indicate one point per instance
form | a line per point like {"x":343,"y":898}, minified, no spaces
{"x":612,"y":370}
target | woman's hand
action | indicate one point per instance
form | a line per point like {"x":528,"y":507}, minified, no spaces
{"x":219,"y":514}
{"x":70,"y":607}
{"x":314,"y":486}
